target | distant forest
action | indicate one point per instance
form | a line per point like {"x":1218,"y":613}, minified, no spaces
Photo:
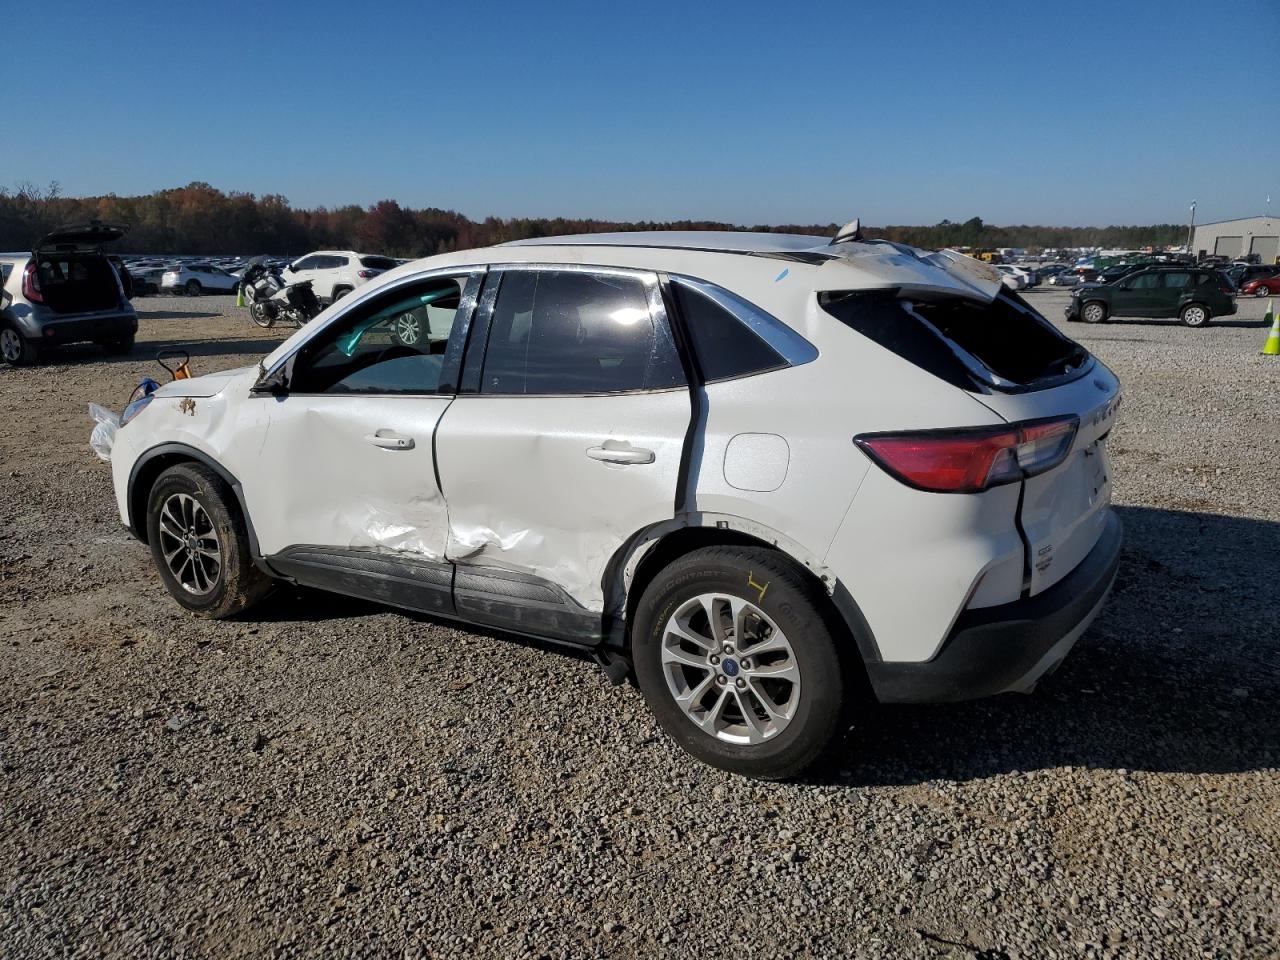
{"x":200,"y":219}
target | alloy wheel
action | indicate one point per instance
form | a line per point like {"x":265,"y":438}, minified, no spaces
{"x":10,"y":345}
{"x":190,"y":544}
{"x":730,"y":668}
{"x":408,"y":330}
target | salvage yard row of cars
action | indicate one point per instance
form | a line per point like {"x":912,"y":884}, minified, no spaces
{"x":333,"y":273}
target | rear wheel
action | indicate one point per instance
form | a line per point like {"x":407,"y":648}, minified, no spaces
{"x":1194,"y":315}
{"x":1261,"y":291}
{"x":737,"y":662}
{"x":407,"y":329}
{"x":200,"y":543}
{"x":260,"y":316}
{"x":339,"y":293}
{"x":15,"y":349}
{"x":193,"y":288}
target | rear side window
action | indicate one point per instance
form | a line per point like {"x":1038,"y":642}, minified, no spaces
{"x":725,"y":347}
{"x":1145,"y":281}
{"x":1176,"y":281}
{"x":573,"y":333}
{"x":377,"y":263}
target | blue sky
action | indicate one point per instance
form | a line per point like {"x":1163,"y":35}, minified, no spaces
{"x":909,"y":112}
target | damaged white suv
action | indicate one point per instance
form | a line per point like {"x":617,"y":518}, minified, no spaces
{"x":773,"y":474}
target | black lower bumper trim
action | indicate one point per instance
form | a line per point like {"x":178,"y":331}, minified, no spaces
{"x":103,"y":328}
{"x":995,"y":649}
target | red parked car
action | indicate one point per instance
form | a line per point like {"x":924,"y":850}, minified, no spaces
{"x":1262,"y":287}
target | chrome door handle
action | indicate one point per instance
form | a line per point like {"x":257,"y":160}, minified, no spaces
{"x":620,"y":454}
{"x":390,"y":440}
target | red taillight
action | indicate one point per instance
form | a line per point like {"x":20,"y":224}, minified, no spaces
{"x":969,"y":460}
{"x":367,"y":274}
{"x":31,"y":284}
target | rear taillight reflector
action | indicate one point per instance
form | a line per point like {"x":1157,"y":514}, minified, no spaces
{"x":31,"y":284}
{"x":367,"y":274}
{"x":971,"y":459}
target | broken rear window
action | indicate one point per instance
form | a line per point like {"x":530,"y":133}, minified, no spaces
{"x":1002,"y":345}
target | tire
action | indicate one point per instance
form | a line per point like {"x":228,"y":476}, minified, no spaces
{"x":118,"y":347}
{"x":725,"y":685}
{"x":226,"y":582}
{"x":1261,"y":291}
{"x":1095,"y":311}
{"x":339,"y":293}
{"x":15,"y":349}
{"x":259,"y":315}
{"x":193,"y":288}
{"x":1194,"y":315}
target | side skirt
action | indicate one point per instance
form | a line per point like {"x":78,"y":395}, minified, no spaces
{"x":479,"y":595}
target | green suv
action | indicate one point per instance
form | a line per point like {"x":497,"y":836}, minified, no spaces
{"x":1192,"y":294}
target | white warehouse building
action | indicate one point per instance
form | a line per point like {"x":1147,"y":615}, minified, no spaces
{"x":1237,"y":238}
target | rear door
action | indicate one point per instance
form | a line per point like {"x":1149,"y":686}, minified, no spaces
{"x":565,"y":440}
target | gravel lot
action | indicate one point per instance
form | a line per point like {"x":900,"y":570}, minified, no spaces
{"x":336,"y":778}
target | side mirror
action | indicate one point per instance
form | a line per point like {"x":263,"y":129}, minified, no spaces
{"x":275,"y":384}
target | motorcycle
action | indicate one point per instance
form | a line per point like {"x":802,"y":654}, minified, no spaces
{"x":271,"y":300}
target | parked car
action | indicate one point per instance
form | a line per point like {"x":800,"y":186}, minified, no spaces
{"x":762,"y":470}
{"x":1065,"y":278}
{"x":1048,"y":270}
{"x":1262,"y":287}
{"x":1242,"y":274}
{"x":194,"y":279}
{"x":64,"y":291}
{"x":1193,"y":295}
{"x":1011,"y":277}
{"x":146,"y":280}
{"x":1117,"y":272}
{"x":335,"y":273}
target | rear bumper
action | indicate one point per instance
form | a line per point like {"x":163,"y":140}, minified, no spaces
{"x":116,"y":325}
{"x":1008,"y":648}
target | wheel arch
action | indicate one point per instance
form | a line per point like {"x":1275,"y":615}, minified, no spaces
{"x":155,"y":461}
{"x":644,"y":556}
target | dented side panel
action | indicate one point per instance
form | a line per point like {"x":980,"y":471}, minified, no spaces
{"x":525,"y":494}
{"x":313,"y":474}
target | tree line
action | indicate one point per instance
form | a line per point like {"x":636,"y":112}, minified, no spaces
{"x":201,"y":219}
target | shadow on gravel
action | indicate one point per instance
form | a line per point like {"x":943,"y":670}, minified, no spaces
{"x":1180,"y":673}
{"x":174,"y":314}
{"x":145,"y":350}
{"x":1175,"y":322}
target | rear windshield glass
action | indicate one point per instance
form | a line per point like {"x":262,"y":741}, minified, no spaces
{"x":377,"y":263}
{"x":999,"y":345}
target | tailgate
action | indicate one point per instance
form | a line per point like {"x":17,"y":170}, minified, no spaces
{"x":1064,"y":511}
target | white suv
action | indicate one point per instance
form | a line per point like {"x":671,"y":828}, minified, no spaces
{"x":335,"y":273}
{"x":768,"y":472}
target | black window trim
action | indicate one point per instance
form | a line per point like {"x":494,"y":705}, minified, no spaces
{"x":453,"y":357}
{"x":795,"y":353}
{"x":478,"y":341}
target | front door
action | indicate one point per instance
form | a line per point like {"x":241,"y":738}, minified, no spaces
{"x":339,"y":473}
{"x":1137,"y":296}
{"x":565,"y":440}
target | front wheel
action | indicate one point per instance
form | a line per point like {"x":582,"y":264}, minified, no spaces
{"x":1261,"y":292}
{"x":1194,"y":315}
{"x":1093,"y":312}
{"x":193,"y":288}
{"x":200,"y":543}
{"x":737,"y":662}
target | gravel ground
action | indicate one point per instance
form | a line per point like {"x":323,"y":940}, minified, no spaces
{"x":336,"y":778}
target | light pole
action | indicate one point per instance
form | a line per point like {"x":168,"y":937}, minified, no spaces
{"x":1191,"y":229}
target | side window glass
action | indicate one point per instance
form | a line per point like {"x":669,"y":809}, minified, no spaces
{"x":1176,"y":281}
{"x":394,"y":344}
{"x":337,"y":262}
{"x":573,"y":333}
{"x":1146,"y":281}
{"x":725,"y":347}
{"x":306,"y":263}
